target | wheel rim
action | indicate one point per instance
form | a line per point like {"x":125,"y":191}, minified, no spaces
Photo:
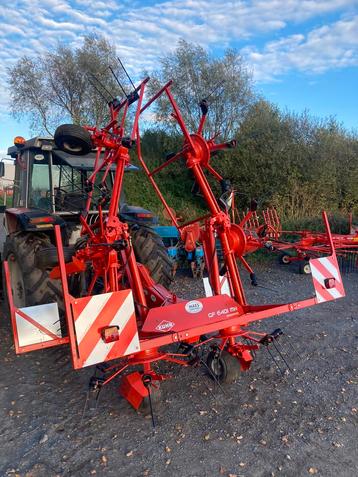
{"x":17,"y":282}
{"x":217,"y":368}
{"x":307,"y":268}
{"x":70,"y":146}
{"x":285,"y":259}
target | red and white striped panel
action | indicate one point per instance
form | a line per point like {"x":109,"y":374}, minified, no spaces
{"x":92,"y":314}
{"x":323,"y":268}
{"x":224,"y":286}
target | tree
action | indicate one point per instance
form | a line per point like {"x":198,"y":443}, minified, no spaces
{"x":225,"y":82}
{"x":58,"y":86}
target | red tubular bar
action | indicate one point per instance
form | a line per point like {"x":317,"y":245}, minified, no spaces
{"x":117,"y":186}
{"x":214,"y":172}
{"x":154,"y":184}
{"x":66,"y":298}
{"x":156,"y":96}
{"x":199,"y":219}
{"x":328,"y":230}
{"x":137,"y":286}
{"x":141,"y":94}
{"x":201,"y":124}
{"x":205,"y":189}
{"x":180,"y":119}
{"x":247,"y":218}
{"x":166,"y":163}
{"x":90,"y":194}
{"x":211,"y":258}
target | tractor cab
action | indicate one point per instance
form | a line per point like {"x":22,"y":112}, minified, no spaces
{"x":53,"y":182}
{"x":50,"y":188}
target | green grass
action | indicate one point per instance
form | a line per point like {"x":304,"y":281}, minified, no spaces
{"x":338,"y":222}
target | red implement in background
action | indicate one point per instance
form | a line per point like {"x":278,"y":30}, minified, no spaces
{"x":302,"y":245}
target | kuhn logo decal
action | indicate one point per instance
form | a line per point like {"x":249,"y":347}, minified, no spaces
{"x":165,"y":325}
{"x":194,"y":306}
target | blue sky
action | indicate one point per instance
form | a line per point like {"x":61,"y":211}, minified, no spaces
{"x":303,"y":53}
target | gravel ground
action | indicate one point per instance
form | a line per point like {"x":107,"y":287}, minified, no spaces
{"x":304,"y":423}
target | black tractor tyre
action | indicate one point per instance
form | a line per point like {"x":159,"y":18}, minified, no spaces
{"x":224,"y":367}
{"x":150,"y":251}
{"x":73,"y":139}
{"x":30,"y":285}
{"x":47,"y":257}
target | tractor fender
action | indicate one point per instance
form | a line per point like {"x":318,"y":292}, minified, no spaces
{"x":31,"y":220}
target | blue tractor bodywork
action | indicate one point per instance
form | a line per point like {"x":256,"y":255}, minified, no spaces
{"x":177,"y":253}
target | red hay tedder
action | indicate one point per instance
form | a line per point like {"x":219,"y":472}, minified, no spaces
{"x":306,"y":244}
{"x":121,"y":313}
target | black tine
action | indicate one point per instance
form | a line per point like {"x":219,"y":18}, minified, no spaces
{"x":281,"y":356}
{"x":98,"y":91}
{"x":206,"y":385}
{"x":151,"y":406}
{"x":131,"y":82}
{"x":102,"y":85}
{"x":276,"y":363}
{"x":97,"y":397}
{"x":116,"y":78}
{"x":213,"y":375}
{"x":283,"y":349}
{"x":216,"y":87}
{"x":84,"y":407}
{"x":292,"y":347}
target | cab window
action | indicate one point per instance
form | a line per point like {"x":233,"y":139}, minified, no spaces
{"x":39,"y":190}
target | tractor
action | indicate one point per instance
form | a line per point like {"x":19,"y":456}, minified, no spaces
{"x":50,"y":189}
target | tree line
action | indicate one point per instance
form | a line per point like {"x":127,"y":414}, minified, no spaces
{"x":296,"y":162}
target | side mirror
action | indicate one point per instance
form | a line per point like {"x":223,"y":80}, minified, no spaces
{"x":2,"y":169}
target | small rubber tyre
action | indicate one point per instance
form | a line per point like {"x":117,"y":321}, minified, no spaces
{"x":150,"y":251}
{"x":304,"y":268}
{"x":225,"y":368}
{"x":47,"y":257}
{"x":285,"y":259}
{"x":73,"y":139}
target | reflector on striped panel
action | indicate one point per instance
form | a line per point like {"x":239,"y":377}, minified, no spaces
{"x":93,"y":313}
{"x":323,"y":268}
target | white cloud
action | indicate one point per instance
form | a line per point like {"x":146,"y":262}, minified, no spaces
{"x":142,"y":33}
{"x":328,"y":47}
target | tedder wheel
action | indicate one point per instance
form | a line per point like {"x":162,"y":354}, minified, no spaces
{"x":304,"y":268}
{"x":224,"y":367}
{"x":150,"y":251}
{"x":30,"y":285}
{"x":73,"y":139}
{"x":285,"y":259}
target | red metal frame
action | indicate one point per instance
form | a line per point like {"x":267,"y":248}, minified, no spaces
{"x":309,"y":245}
{"x":110,"y":253}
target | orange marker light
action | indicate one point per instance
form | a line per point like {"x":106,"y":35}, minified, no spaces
{"x":19,"y":141}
